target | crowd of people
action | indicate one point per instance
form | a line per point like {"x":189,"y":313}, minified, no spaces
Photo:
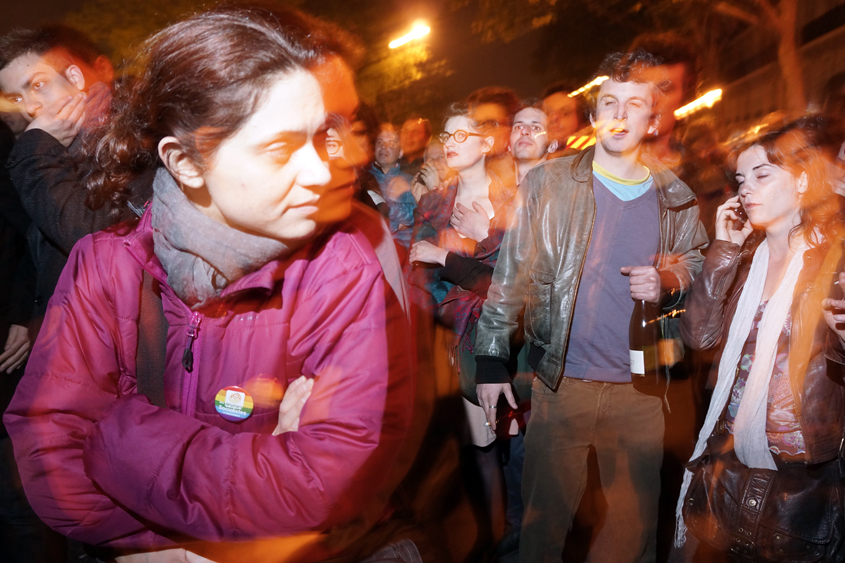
{"x":245,"y":319}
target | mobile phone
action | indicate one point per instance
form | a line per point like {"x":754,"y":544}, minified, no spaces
{"x":742,"y":217}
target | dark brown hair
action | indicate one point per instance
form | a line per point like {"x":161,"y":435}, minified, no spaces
{"x":671,"y":49}
{"x":798,"y":148}
{"x":42,"y":40}
{"x":627,"y":67}
{"x":461,"y":109}
{"x":200,"y":81}
{"x":504,"y":97}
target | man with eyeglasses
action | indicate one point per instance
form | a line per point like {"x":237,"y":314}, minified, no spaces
{"x":530,"y":143}
{"x":433,"y":172}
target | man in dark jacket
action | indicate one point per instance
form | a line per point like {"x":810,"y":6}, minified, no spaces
{"x":22,"y":533}
{"x":61,"y":83}
{"x":590,"y":234}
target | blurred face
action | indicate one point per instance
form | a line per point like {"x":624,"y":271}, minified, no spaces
{"x":388,"y":150}
{"x":460,"y":156}
{"x":770,"y":194}
{"x":494,"y":121}
{"x":334,"y":144}
{"x":436,"y":156}
{"x":270,"y":178}
{"x":413,"y":137}
{"x":563,"y":117}
{"x":32,"y":84}
{"x":348,"y":146}
{"x":671,"y":84}
{"x":15,"y":120}
{"x":358,"y":132}
{"x":836,"y":169}
{"x":623,"y":116}
{"x":529,"y":138}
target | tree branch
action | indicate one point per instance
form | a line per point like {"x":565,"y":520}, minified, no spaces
{"x":736,"y":12}
{"x":769,"y":10}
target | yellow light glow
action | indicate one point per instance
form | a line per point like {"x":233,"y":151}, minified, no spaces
{"x":586,"y":87}
{"x":418,"y":31}
{"x":707,"y":100}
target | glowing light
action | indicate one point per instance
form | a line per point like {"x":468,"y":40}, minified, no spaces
{"x":707,"y":100}
{"x":586,"y":87}
{"x":580,"y":142}
{"x":418,"y":31}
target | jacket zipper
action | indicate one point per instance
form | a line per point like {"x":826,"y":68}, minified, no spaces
{"x":189,"y":387}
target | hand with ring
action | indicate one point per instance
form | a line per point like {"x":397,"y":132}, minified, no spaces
{"x":488,"y":397}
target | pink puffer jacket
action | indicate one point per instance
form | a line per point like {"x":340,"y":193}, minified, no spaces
{"x":102,"y":465}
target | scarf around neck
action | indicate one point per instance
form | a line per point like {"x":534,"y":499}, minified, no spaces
{"x":750,"y":441}
{"x":201,"y":256}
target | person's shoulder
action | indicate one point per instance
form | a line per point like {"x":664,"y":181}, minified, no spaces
{"x":35,"y":143}
{"x":553,"y":175}
{"x":433,"y":199}
{"x":350,"y":245}
{"x":340,"y":259}
{"x":108,"y":250}
{"x":674,"y":191}
{"x":101,"y":267}
{"x":398,"y":173}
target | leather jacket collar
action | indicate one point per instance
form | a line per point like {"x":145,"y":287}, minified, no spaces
{"x":671,"y":190}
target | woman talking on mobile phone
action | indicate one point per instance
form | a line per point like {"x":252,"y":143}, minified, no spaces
{"x":764,"y":482}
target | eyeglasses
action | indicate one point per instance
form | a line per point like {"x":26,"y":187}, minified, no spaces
{"x":493,"y":124}
{"x":535,"y":129}
{"x":333,"y":146}
{"x":460,"y":136}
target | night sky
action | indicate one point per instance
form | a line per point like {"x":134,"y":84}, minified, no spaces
{"x":475,"y":64}
{"x":26,"y":13}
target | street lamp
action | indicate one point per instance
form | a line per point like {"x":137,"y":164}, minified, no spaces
{"x":587,"y":86}
{"x":707,"y":100}
{"x":419,"y":30}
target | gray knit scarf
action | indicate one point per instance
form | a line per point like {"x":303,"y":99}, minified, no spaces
{"x":200,"y":255}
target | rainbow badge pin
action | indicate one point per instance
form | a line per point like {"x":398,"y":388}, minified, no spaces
{"x":233,"y":403}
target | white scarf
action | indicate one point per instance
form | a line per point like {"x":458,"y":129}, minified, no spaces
{"x":750,"y":442}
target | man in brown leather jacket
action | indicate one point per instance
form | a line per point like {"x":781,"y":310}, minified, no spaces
{"x":589,"y":235}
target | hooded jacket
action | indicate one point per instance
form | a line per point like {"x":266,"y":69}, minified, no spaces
{"x":102,"y":465}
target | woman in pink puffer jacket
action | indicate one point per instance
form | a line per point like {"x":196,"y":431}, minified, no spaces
{"x":262,"y":280}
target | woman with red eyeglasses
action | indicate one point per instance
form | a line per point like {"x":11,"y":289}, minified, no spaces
{"x":458,"y":230}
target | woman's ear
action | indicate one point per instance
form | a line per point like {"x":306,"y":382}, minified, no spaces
{"x":802,"y":184}
{"x":487,"y":145}
{"x":179,"y":164}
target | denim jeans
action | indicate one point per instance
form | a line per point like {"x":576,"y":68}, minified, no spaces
{"x":626,"y":429}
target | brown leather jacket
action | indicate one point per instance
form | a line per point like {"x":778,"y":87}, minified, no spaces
{"x":816,"y":383}
{"x":543,"y":253}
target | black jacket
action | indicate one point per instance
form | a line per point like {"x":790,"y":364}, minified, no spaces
{"x":46,"y":177}
{"x":17,"y":271}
